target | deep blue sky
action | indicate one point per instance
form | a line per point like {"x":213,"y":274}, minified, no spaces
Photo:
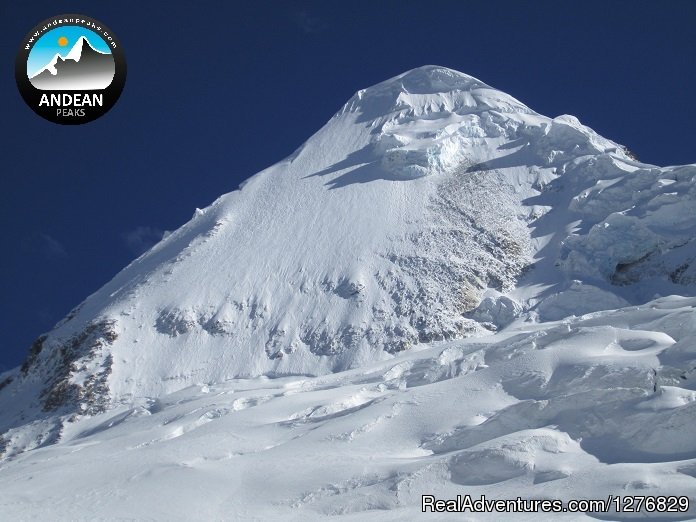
{"x":218,"y":90}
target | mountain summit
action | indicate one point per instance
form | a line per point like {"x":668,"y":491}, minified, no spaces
{"x":431,"y":207}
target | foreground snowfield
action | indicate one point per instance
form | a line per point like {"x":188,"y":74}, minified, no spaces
{"x":580,"y":408}
{"x":441,"y":292}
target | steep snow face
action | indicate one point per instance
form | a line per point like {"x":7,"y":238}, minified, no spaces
{"x":370,"y":239}
{"x":431,"y":207}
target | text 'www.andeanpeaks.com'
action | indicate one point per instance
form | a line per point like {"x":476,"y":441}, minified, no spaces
{"x":611,"y":504}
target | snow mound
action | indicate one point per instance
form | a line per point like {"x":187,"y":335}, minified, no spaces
{"x":578,"y":299}
{"x":582,"y":408}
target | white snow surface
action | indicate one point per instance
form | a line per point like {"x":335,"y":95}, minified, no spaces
{"x":441,"y":292}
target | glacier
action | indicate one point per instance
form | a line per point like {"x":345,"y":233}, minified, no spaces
{"x":440,"y":291}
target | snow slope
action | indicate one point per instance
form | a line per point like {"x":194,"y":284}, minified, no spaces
{"x":341,"y":308}
{"x":561,"y":410}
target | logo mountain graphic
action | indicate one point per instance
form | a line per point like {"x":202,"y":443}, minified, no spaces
{"x":82,"y":69}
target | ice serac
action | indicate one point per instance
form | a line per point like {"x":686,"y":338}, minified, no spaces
{"x":431,"y":207}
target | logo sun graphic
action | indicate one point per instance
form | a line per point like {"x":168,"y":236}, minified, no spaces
{"x":62,"y":41}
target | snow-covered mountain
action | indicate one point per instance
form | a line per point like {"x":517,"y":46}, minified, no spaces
{"x":441,"y":289}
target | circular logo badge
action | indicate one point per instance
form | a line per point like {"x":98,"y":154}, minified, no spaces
{"x":70,"y":69}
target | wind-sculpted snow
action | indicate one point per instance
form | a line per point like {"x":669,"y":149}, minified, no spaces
{"x":430,"y":209}
{"x":579,"y":408}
